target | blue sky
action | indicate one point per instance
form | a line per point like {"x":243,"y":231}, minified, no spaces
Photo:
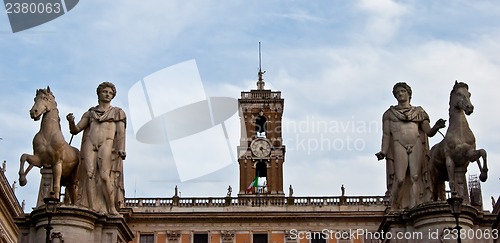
{"x":334,"y":61}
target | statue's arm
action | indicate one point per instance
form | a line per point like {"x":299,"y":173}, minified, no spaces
{"x":431,"y":131}
{"x":120,"y":139}
{"x":82,"y":124}
{"x":386,"y":137}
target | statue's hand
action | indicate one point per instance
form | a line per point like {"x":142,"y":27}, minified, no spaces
{"x":440,"y":123}
{"x":380,"y":155}
{"x":70,"y":117}
{"x":122,"y":154}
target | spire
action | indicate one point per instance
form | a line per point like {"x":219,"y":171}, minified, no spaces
{"x":260,"y":83}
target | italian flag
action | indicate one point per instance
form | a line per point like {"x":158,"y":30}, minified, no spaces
{"x":254,"y":183}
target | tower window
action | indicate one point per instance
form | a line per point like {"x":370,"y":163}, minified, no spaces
{"x":261,"y":169}
{"x":260,"y":125}
{"x":261,"y":172}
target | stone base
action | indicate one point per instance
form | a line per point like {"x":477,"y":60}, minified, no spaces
{"x":45,"y":186}
{"x":433,"y":222}
{"x":73,"y":224}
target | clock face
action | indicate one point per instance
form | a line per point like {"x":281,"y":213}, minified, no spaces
{"x":260,"y":148}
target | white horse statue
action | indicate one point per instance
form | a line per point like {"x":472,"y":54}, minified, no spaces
{"x":451,"y":156}
{"x":50,"y":150}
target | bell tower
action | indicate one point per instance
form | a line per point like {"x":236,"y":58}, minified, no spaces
{"x":261,"y":153}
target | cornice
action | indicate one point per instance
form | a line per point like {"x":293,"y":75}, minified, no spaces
{"x":8,"y":198}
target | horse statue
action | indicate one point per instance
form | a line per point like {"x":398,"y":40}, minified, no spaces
{"x":450,"y":157}
{"x":50,"y":150}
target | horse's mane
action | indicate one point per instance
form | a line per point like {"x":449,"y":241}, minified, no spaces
{"x":459,"y":85}
{"x":45,"y":91}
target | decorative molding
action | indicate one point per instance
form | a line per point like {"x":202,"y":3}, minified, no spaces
{"x":288,"y":236}
{"x":173,"y":235}
{"x":57,"y":235}
{"x":227,"y":236}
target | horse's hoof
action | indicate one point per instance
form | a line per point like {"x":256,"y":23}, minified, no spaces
{"x":483,"y":176}
{"x":22,"y":180}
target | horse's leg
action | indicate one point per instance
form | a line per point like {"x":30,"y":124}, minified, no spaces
{"x":433,"y":164}
{"x":450,"y":168}
{"x":71,"y":186}
{"x":474,"y":156}
{"x":32,"y":160}
{"x":71,"y":192}
{"x":72,"y":161}
{"x":56,"y":173}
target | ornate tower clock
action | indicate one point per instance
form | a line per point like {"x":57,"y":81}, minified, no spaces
{"x":261,"y":153}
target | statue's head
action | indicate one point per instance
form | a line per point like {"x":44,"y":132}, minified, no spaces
{"x":460,"y":97}
{"x":106,"y":85}
{"x":44,"y":101}
{"x":402,"y":85}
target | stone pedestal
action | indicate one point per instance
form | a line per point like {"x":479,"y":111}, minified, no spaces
{"x":432,"y":222}
{"x":73,"y":224}
{"x":45,"y":186}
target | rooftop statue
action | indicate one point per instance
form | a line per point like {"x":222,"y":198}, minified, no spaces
{"x":451,"y":156}
{"x":405,"y":146}
{"x":102,"y":152}
{"x":50,"y":150}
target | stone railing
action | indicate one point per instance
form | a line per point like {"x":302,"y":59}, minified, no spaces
{"x":256,"y":201}
{"x":261,"y":94}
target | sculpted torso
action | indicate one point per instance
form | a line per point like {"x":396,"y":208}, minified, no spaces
{"x":405,"y":133}
{"x":100,"y":133}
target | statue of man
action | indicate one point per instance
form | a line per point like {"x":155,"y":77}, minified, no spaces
{"x":405,"y":147}
{"x":102,"y":150}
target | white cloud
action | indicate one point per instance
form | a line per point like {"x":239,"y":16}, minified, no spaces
{"x":382,"y":20}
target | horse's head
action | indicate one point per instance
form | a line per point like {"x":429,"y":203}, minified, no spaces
{"x":460,"y":98}
{"x":44,"y":101}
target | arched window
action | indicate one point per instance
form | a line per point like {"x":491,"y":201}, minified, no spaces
{"x":260,"y":125}
{"x":261,"y":169}
{"x":261,"y":172}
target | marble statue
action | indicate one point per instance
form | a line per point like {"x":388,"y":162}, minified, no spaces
{"x":229,"y":191}
{"x":14,"y":186}
{"x":50,"y":150}
{"x":102,"y":152}
{"x":451,"y":156}
{"x":405,"y":147}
